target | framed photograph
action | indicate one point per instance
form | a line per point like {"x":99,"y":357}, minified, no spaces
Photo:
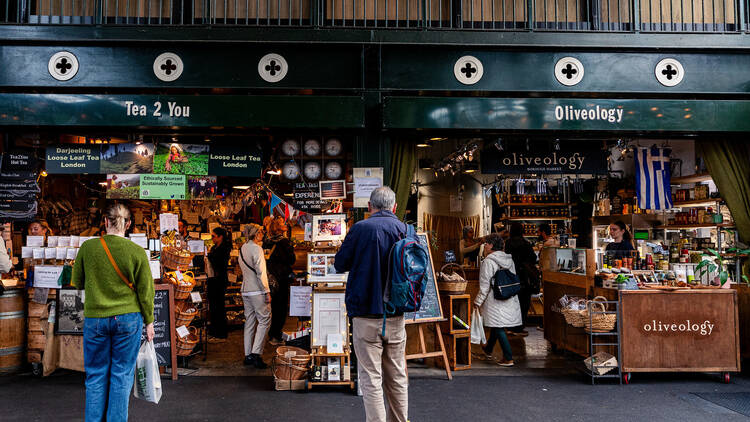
{"x":332,"y":189}
{"x":320,"y":267}
{"x":69,"y":318}
{"x":174,"y":158}
{"x":329,"y":317}
{"x":327,"y":227}
{"x":202,"y":187}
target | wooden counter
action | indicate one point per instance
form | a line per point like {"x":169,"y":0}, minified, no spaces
{"x":680,"y":331}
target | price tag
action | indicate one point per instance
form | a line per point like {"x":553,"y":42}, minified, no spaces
{"x":27,"y":252}
{"x":38,"y":253}
{"x":50,"y":253}
{"x":196,"y":246}
{"x":196,"y":297}
{"x":71,"y":254}
{"x":63,"y":241}
{"x":61,"y":253}
{"x":35,"y":241}
{"x":178,"y":274}
{"x":52,"y":241}
{"x":75,"y":241}
{"x":182,"y":331}
{"x":194,"y":235}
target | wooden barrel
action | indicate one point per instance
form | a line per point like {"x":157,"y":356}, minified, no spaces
{"x":12,"y":331}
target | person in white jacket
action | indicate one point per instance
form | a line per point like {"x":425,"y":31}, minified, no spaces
{"x":497,"y":314}
{"x":256,"y":296}
{"x":5,"y":262}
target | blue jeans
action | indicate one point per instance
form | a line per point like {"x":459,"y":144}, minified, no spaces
{"x":110,"y":349}
{"x":498,"y":334}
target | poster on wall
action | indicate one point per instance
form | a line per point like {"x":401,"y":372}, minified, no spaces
{"x":235,"y":161}
{"x":307,"y":197}
{"x":162,"y":186}
{"x":332,"y":189}
{"x":73,"y":159}
{"x":123,"y":186}
{"x":127,"y":158}
{"x":366,"y":180}
{"x":174,"y":158}
{"x":201,"y":187}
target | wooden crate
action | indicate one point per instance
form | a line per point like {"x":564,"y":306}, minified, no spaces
{"x":289,"y":385}
{"x":460,"y":306}
{"x":458,"y":349}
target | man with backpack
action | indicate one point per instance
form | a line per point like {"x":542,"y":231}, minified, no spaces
{"x":379,"y":338}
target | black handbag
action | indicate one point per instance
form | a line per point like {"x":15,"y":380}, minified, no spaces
{"x":505,"y":285}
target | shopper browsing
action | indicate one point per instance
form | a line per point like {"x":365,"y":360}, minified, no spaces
{"x":5,"y":262}
{"x":256,"y":295}
{"x":115,"y":274}
{"x":497,"y":314}
{"x":381,"y":356}
{"x":280,"y":260}
{"x":218,"y":259}
{"x":524,"y":260}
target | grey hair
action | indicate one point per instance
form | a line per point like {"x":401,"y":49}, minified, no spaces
{"x":117,"y":215}
{"x":383,"y":198}
{"x":250,"y":230}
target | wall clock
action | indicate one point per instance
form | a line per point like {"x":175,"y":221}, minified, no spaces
{"x":312,"y":147}
{"x":290,"y":147}
{"x":333,"y":170}
{"x":290,"y":170}
{"x":334,"y":147}
{"x":312,"y":170}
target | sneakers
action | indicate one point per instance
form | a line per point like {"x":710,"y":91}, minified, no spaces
{"x":276,"y":341}
{"x":506,"y":363}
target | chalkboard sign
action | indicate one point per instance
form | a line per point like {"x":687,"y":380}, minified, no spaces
{"x":431,"y":310}
{"x":166,"y":353}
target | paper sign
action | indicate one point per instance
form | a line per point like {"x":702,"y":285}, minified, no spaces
{"x":52,"y":241}
{"x":366,"y":180}
{"x":182,"y":331}
{"x":155,"y":269}
{"x":232,"y":278}
{"x":205,"y":236}
{"x":191,"y":217}
{"x":299,"y":301}
{"x":168,"y":221}
{"x":63,"y":241}
{"x":71,"y":254}
{"x":37,"y":253}
{"x":196,"y":246}
{"x":163,"y":186}
{"x":75,"y":241}
{"x":27,"y":252}
{"x":194,"y":235}
{"x":195,"y":297}
{"x":61,"y":253}
{"x":47,"y":276}
{"x":141,"y":241}
{"x":50,"y":253}
{"x":35,"y":241}
{"x":335,"y":343}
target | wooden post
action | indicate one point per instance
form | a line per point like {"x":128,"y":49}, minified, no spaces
{"x":423,"y":353}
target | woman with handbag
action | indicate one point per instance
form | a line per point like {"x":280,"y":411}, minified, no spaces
{"x":256,"y":296}
{"x":119,"y":300}
{"x":218,"y":261}
{"x":497,"y":314}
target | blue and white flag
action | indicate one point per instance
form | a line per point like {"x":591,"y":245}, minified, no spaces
{"x":652,"y":178}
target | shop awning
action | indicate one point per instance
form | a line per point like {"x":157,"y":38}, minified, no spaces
{"x":273,"y":111}
{"x":566,"y":114}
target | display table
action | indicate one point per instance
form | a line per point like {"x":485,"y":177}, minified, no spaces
{"x":680,"y":331}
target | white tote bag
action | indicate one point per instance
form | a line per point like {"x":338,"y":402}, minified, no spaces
{"x":477,"y":328}
{"x":147,"y":384}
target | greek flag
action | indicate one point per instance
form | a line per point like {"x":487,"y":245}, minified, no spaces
{"x":652,"y":178}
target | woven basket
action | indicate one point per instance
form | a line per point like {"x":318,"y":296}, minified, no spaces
{"x":451,"y":286}
{"x":574,"y":317}
{"x":171,"y":258}
{"x":186,"y":345}
{"x":181,"y":290}
{"x":598,"y":321}
{"x":291,"y":363}
{"x":184,"y":318}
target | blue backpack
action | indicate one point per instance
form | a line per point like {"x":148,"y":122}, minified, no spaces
{"x":406,"y":283}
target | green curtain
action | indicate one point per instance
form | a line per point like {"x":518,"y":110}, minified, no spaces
{"x":729,"y":165}
{"x":403,"y":164}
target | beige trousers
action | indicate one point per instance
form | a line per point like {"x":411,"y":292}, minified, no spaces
{"x":257,"y":322}
{"x":382,"y":368}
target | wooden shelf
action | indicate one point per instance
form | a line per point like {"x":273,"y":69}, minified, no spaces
{"x":697,"y":202}
{"x":535,"y":218}
{"x":535,"y":204}
{"x":693,"y":178}
{"x":695,"y":226}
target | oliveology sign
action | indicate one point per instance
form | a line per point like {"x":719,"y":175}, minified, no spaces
{"x":541,"y":157}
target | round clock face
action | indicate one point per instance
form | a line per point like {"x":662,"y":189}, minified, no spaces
{"x":312,"y":170}
{"x":333,"y":170}
{"x":312,"y":147}
{"x":290,"y":170}
{"x":333,"y":147}
{"x":290,"y":147}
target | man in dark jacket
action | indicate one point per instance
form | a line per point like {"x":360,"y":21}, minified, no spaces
{"x":524,"y":260}
{"x":381,"y":357}
{"x":279,"y":265}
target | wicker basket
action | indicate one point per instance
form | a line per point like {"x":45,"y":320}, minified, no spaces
{"x":447,"y":286}
{"x":183,"y":289}
{"x":186,"y":345}
{"x":291,"y":363}
{"x":184,"y":318}
{"x":172,"y":259}
{"x":574,"y":317}
{"x":598,"y":322}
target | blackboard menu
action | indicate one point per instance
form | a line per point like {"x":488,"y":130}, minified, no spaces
{"x":163,"y":330}
{"x":18,"y":190}
{"x":430,"y":309}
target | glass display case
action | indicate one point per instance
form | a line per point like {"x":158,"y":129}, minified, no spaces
{"x":575,"y":261}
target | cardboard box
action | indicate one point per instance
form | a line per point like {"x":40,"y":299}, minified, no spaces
{"x":603,"y":362}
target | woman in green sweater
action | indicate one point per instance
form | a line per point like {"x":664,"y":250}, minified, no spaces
{"x":119,"y":288}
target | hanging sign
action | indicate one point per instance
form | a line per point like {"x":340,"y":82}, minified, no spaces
{"x":72,"y":159}
{"x":19,"y":199}
{"x":162,"y":186}
{"x":542,"y":157}
{"x":366,"y":180}
{"x":231,"y":161}
{"x":18,"y":164}
{"x":307,"y":197}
